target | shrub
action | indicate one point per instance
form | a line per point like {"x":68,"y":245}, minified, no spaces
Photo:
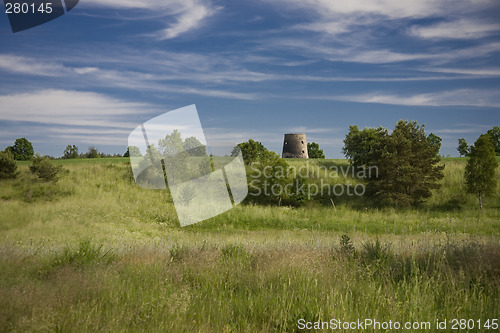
{"x":376,"y":252}
{"x":178,"y":252}
{"x":8,"y":167}
{"x":45,"y":170}
{"x":346,"y":247}
{"x":86,"y":254}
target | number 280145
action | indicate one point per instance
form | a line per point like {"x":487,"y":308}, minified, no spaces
{"x":26,"y":8}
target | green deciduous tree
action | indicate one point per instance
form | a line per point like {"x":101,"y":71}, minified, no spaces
{"x":251,"y":151}
{"x":360,"y":145}
{"x":480,"y":169}
{"x":22,"y":150}
{"x":494,"y":134}
{"x":8,"y":167}
{"x":269,"y":172}
{"x":194,"y":147}
{"x":172,"y":144}
{"x":314,"y":151}
{"x":92,"y":152}
{"x":463,"y":147}
{"x":132,"y":151}
{"x":70,"y":152}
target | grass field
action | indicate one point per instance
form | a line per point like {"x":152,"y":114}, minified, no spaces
{"x":95,"y":252}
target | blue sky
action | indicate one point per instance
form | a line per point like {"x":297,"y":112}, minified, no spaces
{"x":255,"y":69}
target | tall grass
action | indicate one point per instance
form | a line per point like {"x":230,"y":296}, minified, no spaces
{"x":251,"y":289}
{"x":105,"y":255}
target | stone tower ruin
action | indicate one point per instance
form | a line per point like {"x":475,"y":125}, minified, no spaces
{"x":295,"y":146}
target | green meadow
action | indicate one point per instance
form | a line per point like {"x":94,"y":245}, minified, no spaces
{"x":95,"y":252}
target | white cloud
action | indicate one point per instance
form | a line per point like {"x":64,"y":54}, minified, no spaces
{"x":460,"y":97}
{"x":458,"y":29}
{"x":393,"y":9}
{"x":358,"y":52}
{"x":386,"y":56}
{"x":339,"y":16}
{"x":489,"y":71}
{"x":389,"y":8}
{"x":308,"y":130}
{"x":460,"y":130}
{"x":35,"y":66}
{"x":26,"y":65}
{"x":72,"y":108}
{"x":188,"y":20}
{"x":332,"y":28}
{"x":189,"y":13}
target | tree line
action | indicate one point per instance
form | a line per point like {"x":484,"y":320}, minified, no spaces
{"x":408,"y":162}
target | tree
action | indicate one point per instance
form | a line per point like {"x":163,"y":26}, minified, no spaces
{"x":22,"y":150}
{"x":172,"y":144}
{"x":133,"y":151}
{"x":480,"y":169}
{"x":267,"y":173}
{"x":359,"y":146}
{"x":494,"y":134}
{"x":463,"y":147}
{"x":194,"y":147}
{"x":406,"y":160}
{"x":407,"y":166}
{"x":251,"y":151}
{"x":8,"y":167}
{"x":314,"y":151}
{"x":44,"y":169}
{"x":434,"y":141}
{"x":70,"y":152}
{"x":92,"y":152}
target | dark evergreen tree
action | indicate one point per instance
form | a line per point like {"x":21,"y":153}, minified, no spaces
{"x":406,"y":161}
{"x":44,"y":169}
{"x":8,"y":167}
{"x":407,"y":166}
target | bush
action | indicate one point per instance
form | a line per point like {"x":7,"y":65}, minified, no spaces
{"x":45,"y":170}
{"x":178,"y":252}
{"x":86,"y":254}
{"x":346,"y":247}
{"x":8,"y":167}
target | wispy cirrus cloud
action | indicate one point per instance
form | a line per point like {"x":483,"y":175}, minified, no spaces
{"x":460,"y":97}
{"x":315,"y":130}
{"x":190,"y":19}
{"x":186,"y":15}
{"x":457,"y":29}
{"x":72,"y":108}
{"x":483,"y":72}
{"x":33,"y":66}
